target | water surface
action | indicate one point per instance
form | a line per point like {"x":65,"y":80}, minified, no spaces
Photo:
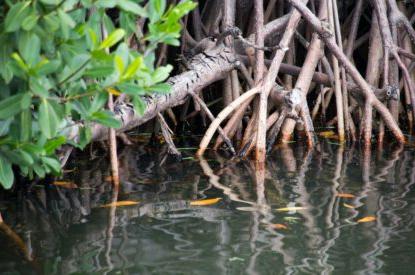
{"x":61,"y":230}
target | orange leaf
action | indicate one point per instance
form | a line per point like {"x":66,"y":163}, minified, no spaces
{"x":65,"y":184}
{"x":205,"y":202}
{"x":367,"y":219}
{"x":279,"y":226}
{"x":345,"y":195}
{"x":349,"y":206}
{"x":120,"y":203}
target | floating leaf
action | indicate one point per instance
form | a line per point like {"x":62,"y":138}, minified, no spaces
{"x":349,"y":206}
{"x":120,"y":203}
{"x":205,"y":202}
{"x":288,"y":209}
{"x":279,"y":226}
{"x":367,"y":219}
{"x":345,"y":195}
{"x":65,"y":184}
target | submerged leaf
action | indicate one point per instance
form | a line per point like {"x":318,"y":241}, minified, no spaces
{"x":279,"y":226}
{"x":293,"y":208}
{"x":205,"y":202}
{"x":367,"y":219}
{"x":120,"y":203}
{"x":345,"y":195}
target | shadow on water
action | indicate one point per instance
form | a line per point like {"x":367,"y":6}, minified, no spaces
{"x":298,"y":214}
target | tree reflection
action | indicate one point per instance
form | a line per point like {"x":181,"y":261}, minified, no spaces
{"x":68,"y":232}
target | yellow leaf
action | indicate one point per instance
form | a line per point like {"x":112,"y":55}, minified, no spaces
{"x":205,"y":202}
{"x":120,"y":203}
{"x":113,"y":91}
{"x":294,"y":208}
{"x":327,"y":134}
{"x":349,"y":206}
{"x":65,"y":184}
{"x":367,"y":219}
{"x":279,"y":226}
{"x":345,"y":195}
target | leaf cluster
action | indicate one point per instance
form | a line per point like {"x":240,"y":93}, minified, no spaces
{"x":60,"y":61}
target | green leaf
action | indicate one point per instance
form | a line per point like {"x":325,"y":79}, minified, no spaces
{"x":119,"y":64}
{"x":106,"y":3}
{"x":53,"y":144}
{"x":6,"y":173}
{"x":39,"y":170}
{"x":48,"y":67}
{"x":156,"y":9}
{"x":66,"y":18}
{"x":37,"y":88}
{"x":20,"y":62}
{"x":29,"y":48}
{"x":130,"y":6}
{"x":29,"y":22}
{"x":106,"y":118}
{"x":85,"y":135}
{"x":139,"y":105}
{"x":48,"y":118}
{"x":19,"y":157}
{"x":52,"y":163}
{"x":161,"y":73}
{"x":25,"y":125}
{"x":133,"y":68}
{"x":16,"y":16}
{"x":50,"y":2}
{"x":99,"y":71}
{"x":4,"y":126}
{"x":131,"y":88}
{"x":14,"y":104}
{"x":112,"y":39}
{"x":98,"y":102}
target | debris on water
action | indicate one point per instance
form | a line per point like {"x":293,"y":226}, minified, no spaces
{"x":205,"y":202}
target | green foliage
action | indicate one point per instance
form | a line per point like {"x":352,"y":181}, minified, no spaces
{"x":60,"y":59}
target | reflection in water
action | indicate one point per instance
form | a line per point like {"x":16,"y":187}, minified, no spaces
{"x":63,"y":230}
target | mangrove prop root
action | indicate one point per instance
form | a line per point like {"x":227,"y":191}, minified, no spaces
{"x":248,"y":60}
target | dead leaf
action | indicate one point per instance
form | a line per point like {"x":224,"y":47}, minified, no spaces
{"x":279,"y":226}
{"x":367,"y":219}
{"x":120,"y":203}
{"x":288,"y":209}
{"x":345,"y":195}
{"x":205,"y":202}
{"x":65,"y":184}
{"x":349,"y":206}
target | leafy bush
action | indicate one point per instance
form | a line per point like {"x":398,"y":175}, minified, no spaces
{"x":58,"y":67}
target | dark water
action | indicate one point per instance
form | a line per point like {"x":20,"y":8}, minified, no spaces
{"x":59,"y":230}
